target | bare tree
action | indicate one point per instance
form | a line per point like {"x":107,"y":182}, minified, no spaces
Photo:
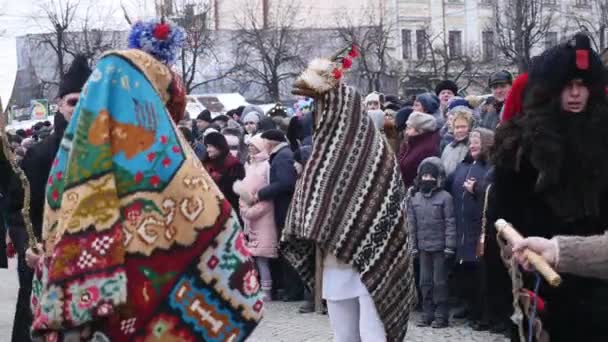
{"x":520,"y":25}
{"x":268,"y":46}
{"x":595,"y":21}
{"x":438,"y":62}
{"x":372,"y":35}
{"x":198,"y":53}
{"x":58,"y":19}
{"x":93,"y":34}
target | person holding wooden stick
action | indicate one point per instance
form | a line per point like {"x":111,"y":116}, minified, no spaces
{"x":585,"y":256}
{"x":549,"y":181}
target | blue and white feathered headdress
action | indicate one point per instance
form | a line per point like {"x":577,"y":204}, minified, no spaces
{"x":158,"y":37}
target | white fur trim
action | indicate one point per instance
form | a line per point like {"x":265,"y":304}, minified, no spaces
{"x":318,"y":76}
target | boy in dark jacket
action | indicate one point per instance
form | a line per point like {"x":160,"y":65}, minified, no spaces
{"x":432,"y":227}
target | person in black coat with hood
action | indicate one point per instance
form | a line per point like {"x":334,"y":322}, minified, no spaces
{"x":37,"y":165}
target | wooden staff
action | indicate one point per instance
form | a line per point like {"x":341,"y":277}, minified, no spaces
{"x":507,"y":232}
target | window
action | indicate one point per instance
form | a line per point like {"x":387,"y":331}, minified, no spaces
{"x":550,"y":39}
{"x":406,"y":44}
{"x":455,"y":43}
{"x":550,"y":2}
{"x":421,"y":44}
{"x":583,"y":3}
{"x":488,"y":45}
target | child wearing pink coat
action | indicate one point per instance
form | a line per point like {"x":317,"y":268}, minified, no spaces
{"x":260,"y":226}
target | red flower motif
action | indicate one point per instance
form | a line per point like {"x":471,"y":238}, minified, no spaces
{"x":251,"y":285}
{"x":56,"y":162}
{"x":161,"y":31}
{"x":241,"y":247}
{"x":55,"y":195}
{"x":337,"y":73}
{"x":176,"y":149}
{"x":59,"y":175}
{"x":257,"y":307}
{"x":151,"y":156}
{"x":166,"y":162}
{"x":155,"y":180}
{"x":50,"y":182}
{"x":213,"y":262}
{"x":139,"y":176}
{"x":164,"y":139}
{"x":133,"y":212}
{"x":347,"y":63}
{"x":354,"y":52}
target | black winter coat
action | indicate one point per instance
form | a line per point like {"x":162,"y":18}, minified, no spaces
{"x":283,"y":177}
{"x":468,"y":207}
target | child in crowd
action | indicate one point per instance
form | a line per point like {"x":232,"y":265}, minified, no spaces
{"x":433,"y":230}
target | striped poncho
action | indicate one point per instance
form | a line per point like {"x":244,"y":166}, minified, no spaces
{"x":347,"y":202}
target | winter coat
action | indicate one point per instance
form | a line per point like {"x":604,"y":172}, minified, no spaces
{"x":431,"y":221}
{"x":453,"y":154}
{"x":225,"y":172}
{"x":468,"y":207}
{"x":258,"y":218}
{"x":414,"y":151}
{"x":283,"y":178}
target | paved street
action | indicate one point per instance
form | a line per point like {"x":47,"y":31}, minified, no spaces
{"x":281,"y":322}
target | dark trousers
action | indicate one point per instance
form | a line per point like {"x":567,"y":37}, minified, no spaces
{"x":434,"y":285}
{"x":472,"y":289}
{"x":23,"y":312}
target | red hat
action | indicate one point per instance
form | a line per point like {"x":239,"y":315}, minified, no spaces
{"x":514,"y":102}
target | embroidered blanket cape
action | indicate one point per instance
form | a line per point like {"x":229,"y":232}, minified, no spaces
{"x":347,"y":202}
{"x":139,"y":244}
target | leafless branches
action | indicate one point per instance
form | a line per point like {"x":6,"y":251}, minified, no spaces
{"x":373,"y":37}
{"x":520,"y":25}
{"x":268,"y":46}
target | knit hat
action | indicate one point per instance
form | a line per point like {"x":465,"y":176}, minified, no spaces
{"x":428,"y":169}
{"x":258,"y":142}
{"x":446,"y":85}
{"x":218,"y":141}
{"x":433,"y":166}
{"x":377,"y":117}
{"x":429,"y":101}
{"x":401,"y":118}
{"x":456,"y":102}
{"x":500,"y":77}
{"x":205,"y":115}
{"x":274,"y":135}
{"x":422,"y":122}
{"x":252,"y":116}
{"x":221,"y":117}
{"x":76,"y":77}
{"x":266,"y":124}
{"x":567,"y":61}
{"x":372,"y":97}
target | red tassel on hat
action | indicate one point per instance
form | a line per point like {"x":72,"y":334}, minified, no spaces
{"x":582,"y":59}
{"x":514,"y":102}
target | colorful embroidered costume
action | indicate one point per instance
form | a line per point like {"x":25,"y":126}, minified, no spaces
{"x":139,"y":243}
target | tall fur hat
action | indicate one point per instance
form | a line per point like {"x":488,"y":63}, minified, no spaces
{"x":567,"y":61}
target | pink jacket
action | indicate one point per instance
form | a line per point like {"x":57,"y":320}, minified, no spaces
{"x":260,"y":227}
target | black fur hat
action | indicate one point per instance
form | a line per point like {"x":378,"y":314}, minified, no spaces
{"x":76,"y":77}
{"x":567,"y":61}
